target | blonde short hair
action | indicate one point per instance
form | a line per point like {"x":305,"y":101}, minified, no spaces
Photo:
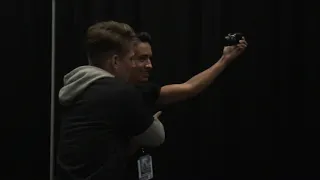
{"x":107,"y":38}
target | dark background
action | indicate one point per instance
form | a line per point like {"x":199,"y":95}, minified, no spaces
{"x":258,"y":120}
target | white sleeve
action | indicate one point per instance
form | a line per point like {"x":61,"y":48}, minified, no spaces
{"x":154,"y":136}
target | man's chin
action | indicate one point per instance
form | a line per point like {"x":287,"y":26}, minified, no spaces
{"x":144,"y":79}
{"x":139,"y":80}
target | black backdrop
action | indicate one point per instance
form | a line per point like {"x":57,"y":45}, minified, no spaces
{"x":259,"y":119}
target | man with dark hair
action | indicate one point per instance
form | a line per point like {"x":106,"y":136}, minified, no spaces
{"x":102,"y":113}
{"x":156,"y":95}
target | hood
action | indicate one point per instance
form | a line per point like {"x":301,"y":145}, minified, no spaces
{"x":76,"y":81}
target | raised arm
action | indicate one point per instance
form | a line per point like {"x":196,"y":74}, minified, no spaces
{"x":178,"y":92}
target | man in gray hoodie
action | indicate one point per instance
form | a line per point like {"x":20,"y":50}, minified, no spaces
{"x":102,"y":113}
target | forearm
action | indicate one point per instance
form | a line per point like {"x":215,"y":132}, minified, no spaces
{"x":202,"y":80}
{"x":177,"y":92}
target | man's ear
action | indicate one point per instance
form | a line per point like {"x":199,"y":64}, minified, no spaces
{"x":115,"y":61}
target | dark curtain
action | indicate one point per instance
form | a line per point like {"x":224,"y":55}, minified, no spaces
{"x":25,"y":89}
{"x":257,"y":120}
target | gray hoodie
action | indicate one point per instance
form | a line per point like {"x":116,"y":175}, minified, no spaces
{"x":76,"y":81}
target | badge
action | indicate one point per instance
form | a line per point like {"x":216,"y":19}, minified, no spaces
{"x":145,"y":169}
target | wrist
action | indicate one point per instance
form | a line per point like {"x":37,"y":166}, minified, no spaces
{"x":223,"y":61}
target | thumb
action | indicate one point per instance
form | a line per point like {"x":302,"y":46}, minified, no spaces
{"x":156,"y":115}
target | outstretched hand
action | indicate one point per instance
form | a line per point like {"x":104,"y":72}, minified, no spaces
{"x":232,"y":52}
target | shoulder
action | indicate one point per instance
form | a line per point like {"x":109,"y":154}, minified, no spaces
{"x":147,"y":86}
{"x":149,"y":91}
{"x":112,"y":88}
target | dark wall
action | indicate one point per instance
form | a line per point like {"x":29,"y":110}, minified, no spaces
{"x":259,"y":119}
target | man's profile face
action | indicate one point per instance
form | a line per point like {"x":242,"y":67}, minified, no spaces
{"x":142,"y":60}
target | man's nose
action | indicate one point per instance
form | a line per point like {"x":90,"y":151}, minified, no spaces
{"x":149,"y":64}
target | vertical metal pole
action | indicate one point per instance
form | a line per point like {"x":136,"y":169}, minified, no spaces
{"x":52,"y":108}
